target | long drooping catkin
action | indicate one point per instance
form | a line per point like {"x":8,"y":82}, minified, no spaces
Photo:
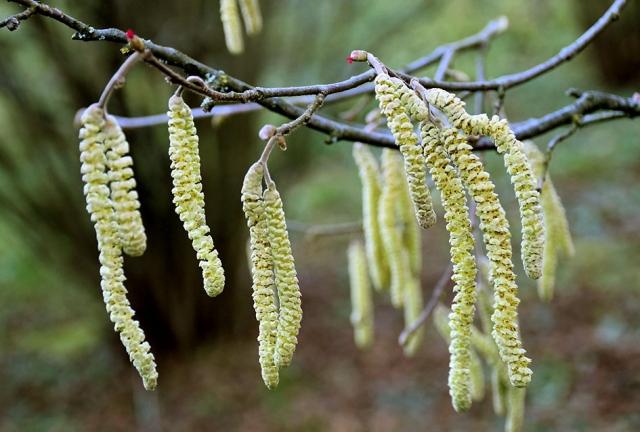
{"x":392,"y":173}
{"x":402,"y":129}
{"x":411,"y":231}
{"x":475,"y":389}
{"x":376,"y":259}
{"x":262,"y":271}
{"x":251,"y":16}
{"x":286,"y":279}
{"x":123,"y":194}
{"x":99,"y":206}
{"x":517,"y":166}
{"x":361,"y":296}
{"x":413,"y":305}
{"x":230,"y":17}
{"x":495,"y":227}
{"x":557,"y":235}
{"x":187,"y":192}
{"x":454,"y":202}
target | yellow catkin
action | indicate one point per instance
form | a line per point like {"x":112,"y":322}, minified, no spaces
{"x":251,"y":16}
{"x":413,"y":305}
{"x":230,"y":17}
{"x":361,"y":296}
{"x":557,"y":234}
{"x":454,"y":202}
{"x":123,"y":194}
{"x":414,"y":106}
{"x":187,"y":192}
{"x":376,"y":259}
{"x":286,"y":278}
{"x":517,"y":165}
{"x":392,"y":173}
{"x":495,"y":228}
{"x":100,"y":207}
{"x":402,"y":129}
{"x":411,"y":231}
{"x":515,"y":409}
{"x":475,"y":389}
{"x":262,"y":271}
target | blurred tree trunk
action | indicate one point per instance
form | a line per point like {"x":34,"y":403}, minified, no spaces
{"x":616,"y":50}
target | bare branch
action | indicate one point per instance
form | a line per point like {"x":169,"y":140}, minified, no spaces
{"x":13,"y":22}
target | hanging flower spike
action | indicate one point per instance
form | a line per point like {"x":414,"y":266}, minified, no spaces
{"x":123,"y":194}
{"x":187,"y":192}
{"x":368,"y":170}
{"x":413,"y":305}
{"x":414,"y":106}
{"x":230,"y":17}
{"x":392,"y":173}
{"x":100,"y":208}
{"x":251,"y":16}
{"x":517,"y":165}
{"x":557,"y":234}
{"x":286,"y":279}
{"x":411,"y":231}
{"x":262,"y":272}
{"x":402,"y":129}
{"x":495,"y":227}
{"x":361,"y":296}
{"x":454,"y":202}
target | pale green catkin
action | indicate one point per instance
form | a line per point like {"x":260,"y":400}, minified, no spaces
{"x":517,"y":165}
{"x":475,"y":390}
{"x":187,"y":192}
{"x":230,"y":17}
{"x":262,"y":271}
{"x":498,"y":393}
{"x":371,"y":191}
{"x":515,"y":409}
{"x":413,"y":305}
{"x":286,"y":279}
{"x":411,"y":231}
{"x":100,"y":207}
{"x":361,"y":296}
{"x":392,"y":173}
{"x":402,"y":129}
{"x":123,"y":194}
{"x":495,"y":227}
{"x":464,"y":266}
{"x":251,"y":16}
{"x":557,"y":235}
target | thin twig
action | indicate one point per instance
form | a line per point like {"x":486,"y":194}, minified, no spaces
{"x":445,"y":63}
{"x":552,"y":145}
{"x":480,"y":75}
{"x":437,"y":291}
{"x":117,"y":80}
{"x":312,"y":231}
{"x":13,"y":22}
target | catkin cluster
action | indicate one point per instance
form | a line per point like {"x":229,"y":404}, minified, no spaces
{"x":517,"y":165}
{"x":263,"y":273}
{"x":464,"y":267}
{"x":285,"y":278}
{"x":187,"y":192}
{"x":361,"y":296}
{"x":101,"y":208}
{"x":557,"y":235}
{"x":402,"y":129}
{"x":495,"y":228}
{"x":123,"y":194}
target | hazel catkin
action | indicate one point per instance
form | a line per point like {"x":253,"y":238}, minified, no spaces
{"x":100,"y":207}
{"x":251,"y":15}
{"x":286,"y":280}
{"x":123,"y":194}
{"x":371,"y":191}
{"x":402,"y":129}
{"x":187,"y":192}
{"x":230,"y":17}
{"x":262,"y":272}
{"x":361,"y":296}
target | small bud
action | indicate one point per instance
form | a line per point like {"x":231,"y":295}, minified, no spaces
{"x":136,"y":42}
{"x":358,"y":55}
{"x":282,"y":143}
{"x":267,"y":132}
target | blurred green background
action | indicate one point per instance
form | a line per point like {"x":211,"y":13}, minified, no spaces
{"x":62,"y":367}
